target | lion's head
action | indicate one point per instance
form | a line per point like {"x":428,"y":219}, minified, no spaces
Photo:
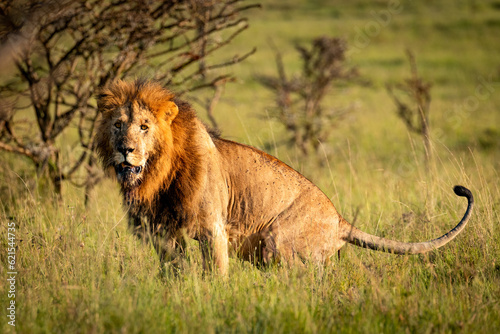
{"x":135,"y":136}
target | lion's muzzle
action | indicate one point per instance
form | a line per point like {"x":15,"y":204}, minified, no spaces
{"x":126,"y":167}
{"x":127,"y":173}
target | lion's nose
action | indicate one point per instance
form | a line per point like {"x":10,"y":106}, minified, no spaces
{"x":125,"y":150}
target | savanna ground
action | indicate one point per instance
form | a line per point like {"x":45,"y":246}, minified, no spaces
{"x":81,"y":271}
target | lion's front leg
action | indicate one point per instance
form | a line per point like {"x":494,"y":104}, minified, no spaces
{"x":170,"y":249}
{"x":214,"y":248}
{"x":169,"y":244}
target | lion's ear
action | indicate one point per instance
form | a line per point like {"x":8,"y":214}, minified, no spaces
{"x":104,"y":100}
{"x":170,"y":110}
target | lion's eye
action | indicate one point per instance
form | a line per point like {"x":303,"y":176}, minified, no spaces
{"x":118,"y":125}
{"x":144,"y":127}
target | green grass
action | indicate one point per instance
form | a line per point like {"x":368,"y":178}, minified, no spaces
{"x":82,"y":271}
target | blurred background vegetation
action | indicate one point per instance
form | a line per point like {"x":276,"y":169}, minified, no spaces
{"x":81,"y":270}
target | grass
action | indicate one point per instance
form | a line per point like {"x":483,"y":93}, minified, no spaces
{"x":81,"y":270}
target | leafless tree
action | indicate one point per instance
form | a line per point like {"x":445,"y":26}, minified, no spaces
{"x":62,"y":51}
{"x":299,"y":100}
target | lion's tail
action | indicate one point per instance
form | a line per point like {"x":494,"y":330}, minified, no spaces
{"x":363,"y":239}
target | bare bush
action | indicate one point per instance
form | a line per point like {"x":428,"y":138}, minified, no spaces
{"x":61,"y":51}
{"x":299,"y":100}
{"x":413,"y":98}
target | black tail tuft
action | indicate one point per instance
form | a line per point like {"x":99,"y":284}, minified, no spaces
{"x":462,"y":191}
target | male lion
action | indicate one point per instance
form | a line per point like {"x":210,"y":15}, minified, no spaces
{"x":179,"y":179}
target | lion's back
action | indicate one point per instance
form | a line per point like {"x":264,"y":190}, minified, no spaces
{"x":261,"y":185}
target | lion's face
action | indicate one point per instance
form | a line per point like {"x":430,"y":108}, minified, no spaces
{"x":133,"y":141}
{"x":134,"y":131}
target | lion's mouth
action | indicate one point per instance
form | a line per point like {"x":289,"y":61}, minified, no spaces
{"x":127,"y":168}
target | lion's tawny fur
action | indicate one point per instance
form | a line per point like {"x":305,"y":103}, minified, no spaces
{"x":179,"y":179}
